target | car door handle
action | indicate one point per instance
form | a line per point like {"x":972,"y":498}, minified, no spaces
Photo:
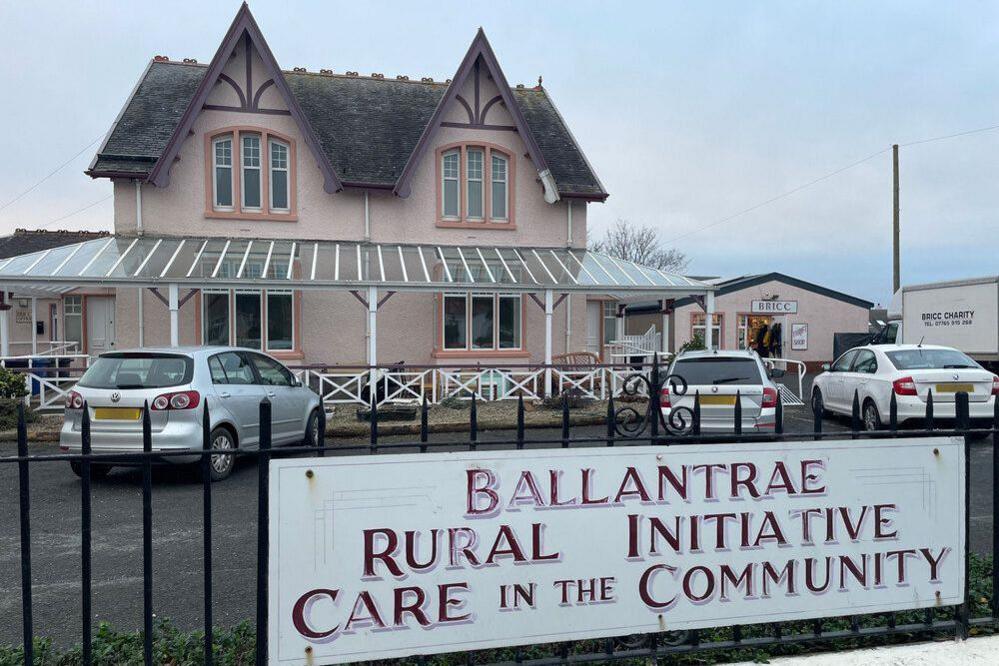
{"x":271,"y":394}
{"x":225,"y":394}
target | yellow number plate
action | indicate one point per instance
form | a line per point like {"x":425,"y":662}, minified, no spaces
{"x":718,"y":400}
{"x":117,"y":413}
{"x":955,"y":388}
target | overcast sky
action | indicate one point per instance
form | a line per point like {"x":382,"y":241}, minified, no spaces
{"x":689,"y":112}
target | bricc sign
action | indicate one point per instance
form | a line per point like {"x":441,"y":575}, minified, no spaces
{"x":774,"y":307}
{"x":376,"y":557}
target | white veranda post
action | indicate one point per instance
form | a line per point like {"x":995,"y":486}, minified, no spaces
{"x":663,"y":328}
{"x":5,"y":333}
{"x":549,"y":307}
{"x":34,"y":325}
{"x":174,"y":305}
{"x":709,"y":320}
{"x":373,"y":341}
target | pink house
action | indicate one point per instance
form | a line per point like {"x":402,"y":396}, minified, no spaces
{"x":338,"y":218}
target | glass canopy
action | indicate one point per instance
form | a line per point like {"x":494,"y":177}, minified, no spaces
{"x":235,"y":263}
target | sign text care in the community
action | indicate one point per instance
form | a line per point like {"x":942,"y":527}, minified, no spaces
{"x":385,"y":556}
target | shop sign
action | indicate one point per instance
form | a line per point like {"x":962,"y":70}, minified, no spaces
{"x":799,"y":337}
{"x":378,"y":557}
{"x":775,"y":307}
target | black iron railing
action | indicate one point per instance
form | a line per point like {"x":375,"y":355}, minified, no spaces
{"x":639,"y":422}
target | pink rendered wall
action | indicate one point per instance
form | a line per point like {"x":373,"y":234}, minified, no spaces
{"x":333,"y":324}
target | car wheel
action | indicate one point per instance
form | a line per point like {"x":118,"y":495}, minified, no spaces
{"x":818,"y":406}
{"x":312,"y":430}
{"x":220,"y":466}
{"x":97,"y":471}
{"x":872,"y":420}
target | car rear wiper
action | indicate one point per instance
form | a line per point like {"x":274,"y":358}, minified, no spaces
{"x":956,"y":365}
{"x":726,"y":380}
{"x":129,"y":386}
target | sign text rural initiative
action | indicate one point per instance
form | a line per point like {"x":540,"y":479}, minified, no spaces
{"x":385,"y":556}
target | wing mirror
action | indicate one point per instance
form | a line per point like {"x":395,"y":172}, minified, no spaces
{"x":776,"y":373}
{"x":826,"y":367}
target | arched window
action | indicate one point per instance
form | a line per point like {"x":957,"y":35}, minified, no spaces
{"x":475,"y":186}
{"x":250,"y":174}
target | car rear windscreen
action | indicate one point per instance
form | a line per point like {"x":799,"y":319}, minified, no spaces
{"x":708,"y":370}
{"x":930,"y":359}
{"x":138,"y":371}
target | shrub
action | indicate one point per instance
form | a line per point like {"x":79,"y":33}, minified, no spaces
{"x":12,"y":391}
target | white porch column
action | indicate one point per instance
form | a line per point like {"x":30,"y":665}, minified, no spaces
{"x":174,"y":304}
{"x":549,"y":308}
{"x":709,"y":317}
{"x":664,"y":329}
{"x":5,"y":331}
{"x":373,"y":340}
{"x":142,"y":320}
{"x":34,"y":326}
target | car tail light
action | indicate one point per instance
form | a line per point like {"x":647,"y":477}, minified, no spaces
{"x":664,"y":397}
{"x":995,"y":384}
{"x":769,"y":397}
{"x":74,"y":400}
{"x":178,"y":400}
{"x":904,"y":386}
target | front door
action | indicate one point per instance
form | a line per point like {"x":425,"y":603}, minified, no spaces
{"x":594,"y":314}
{"x":100,"y":324}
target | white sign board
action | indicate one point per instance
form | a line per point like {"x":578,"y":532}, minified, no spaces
{"x":960,"y":316}
{"x":387,"y":556}
{"x":774,"y":307}
{"x":799,"y":337}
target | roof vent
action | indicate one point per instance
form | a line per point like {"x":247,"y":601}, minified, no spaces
{"x":161,"y":58}
{"x":328,"y":72}
{"x":427,"y":79}
{"x":191,"y":61}
{"x":299,"y":69}
{"x":400,"y":77}
{"x":377,"y":75}
{"x":351,"y":73}
{"x":520,"y":86}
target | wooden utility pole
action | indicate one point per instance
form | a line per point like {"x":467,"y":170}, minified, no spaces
{"x":896,"y":273}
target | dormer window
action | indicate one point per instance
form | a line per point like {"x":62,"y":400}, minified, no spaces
{"x":252,"y":175}
{"x":475,"y":186}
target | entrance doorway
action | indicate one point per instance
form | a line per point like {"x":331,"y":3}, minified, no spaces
{"x":594,"y":313}
{"x":100,"y":324}
{"x":753,"y":330}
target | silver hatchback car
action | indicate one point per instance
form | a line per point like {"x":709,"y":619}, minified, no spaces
{"x":720,"y":378}
{"x":177,"y":383}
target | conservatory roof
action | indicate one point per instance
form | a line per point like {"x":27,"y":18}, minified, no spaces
{"x":300,"y":264}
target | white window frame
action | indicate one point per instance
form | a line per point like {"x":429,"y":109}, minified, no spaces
{"x":264,"y":338}
{"x":493,"y":154}
{"x":456,"y":152}
{"x":204,"y":312}
{"x":271,"y":141}
{"x":469,"y":344}
{"x":243,"y":168}
{"x":481,"y":180}
{"x":215,"y":171}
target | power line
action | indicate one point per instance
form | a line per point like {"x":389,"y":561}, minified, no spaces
{"x":780,"y":196}
{"x":810,"y":183}
{"x":51,"y":173}
{"x":75,"y":212}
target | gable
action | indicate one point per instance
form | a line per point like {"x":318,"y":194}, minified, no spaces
{"x":363,"y":131}
{"x":243,"y":31}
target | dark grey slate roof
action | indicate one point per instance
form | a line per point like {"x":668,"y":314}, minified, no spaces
{"x":26,"y":241}
{"x":367,"y":127}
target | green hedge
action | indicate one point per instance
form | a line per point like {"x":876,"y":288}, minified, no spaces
{"x":236,"y":646}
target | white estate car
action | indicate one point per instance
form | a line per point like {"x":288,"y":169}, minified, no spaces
{"x":912,"y":372}
{"x":719,"y":378}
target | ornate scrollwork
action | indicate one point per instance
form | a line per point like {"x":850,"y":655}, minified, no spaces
{"x":630,"y":423}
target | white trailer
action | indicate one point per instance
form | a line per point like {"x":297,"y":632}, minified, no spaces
{"x":963,"y":314}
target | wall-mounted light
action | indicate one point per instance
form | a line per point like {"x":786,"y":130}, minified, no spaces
{"x":22,"y":302}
